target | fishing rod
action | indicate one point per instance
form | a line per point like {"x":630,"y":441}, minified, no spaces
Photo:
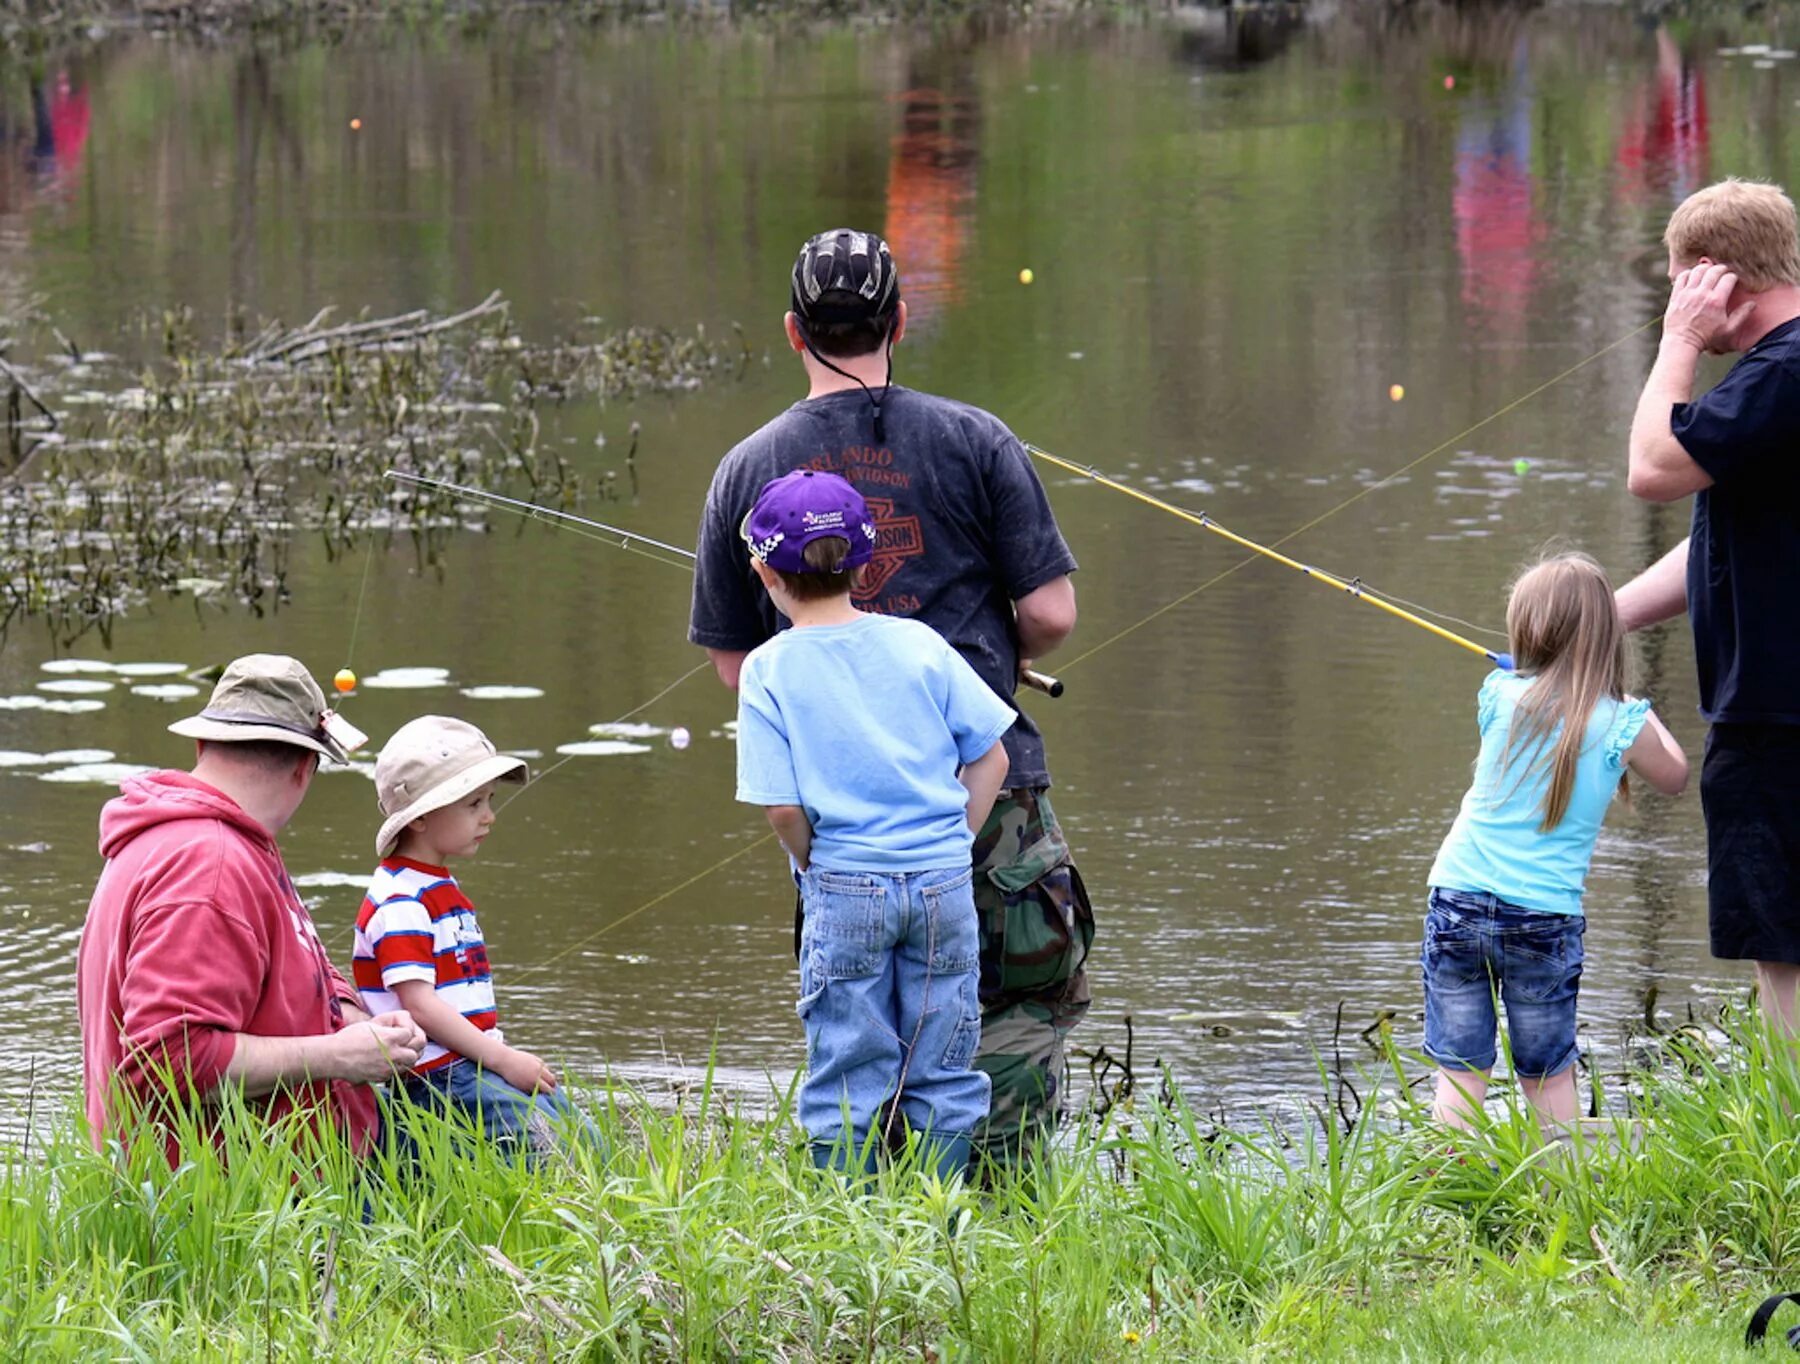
{"x":629,"y":540}
{"x":1354,"y":586}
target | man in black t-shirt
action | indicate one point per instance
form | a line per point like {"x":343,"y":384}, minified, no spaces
{"x":966,"y":542}
{"x":1734,"y":258}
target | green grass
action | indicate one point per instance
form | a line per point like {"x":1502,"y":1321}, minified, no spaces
{"x":707,"y":1235}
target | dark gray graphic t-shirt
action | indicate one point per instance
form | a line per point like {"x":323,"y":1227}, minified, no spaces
{"x":963,"y":531}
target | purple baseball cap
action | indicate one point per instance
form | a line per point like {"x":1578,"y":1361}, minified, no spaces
{"x":794,"y":510}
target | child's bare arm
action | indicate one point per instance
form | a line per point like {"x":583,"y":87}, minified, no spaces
{"x":1657,"y":758}
{"x":983,"y":779}
{"x":448,"y":1028}
{"x":794,"y":830}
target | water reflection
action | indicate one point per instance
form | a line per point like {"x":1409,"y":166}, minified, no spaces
{"x":1664,"y":145}
{"x":40,"y":152}
{"x":1498,"y":233}
{"x":1231,"y":38}
{"x":259,"y":113}
{"x":932,"y":179}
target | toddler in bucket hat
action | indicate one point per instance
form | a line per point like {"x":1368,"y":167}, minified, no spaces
{"x":419,"y":947}
{"x":430,"y":763}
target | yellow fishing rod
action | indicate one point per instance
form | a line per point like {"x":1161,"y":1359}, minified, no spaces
{"x":1354,"y":587}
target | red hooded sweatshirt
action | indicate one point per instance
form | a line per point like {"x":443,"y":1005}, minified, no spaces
{"x":196,"y":933}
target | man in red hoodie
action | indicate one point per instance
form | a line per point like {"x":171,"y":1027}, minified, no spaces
{"x":199,"y":966}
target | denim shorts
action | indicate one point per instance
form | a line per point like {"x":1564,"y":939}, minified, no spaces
{"x":1477,"y":945}
{"x":889,"y":996}
{"x":1748,"y":788}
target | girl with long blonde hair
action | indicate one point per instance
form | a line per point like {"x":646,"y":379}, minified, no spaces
{"x":1558,"y":734}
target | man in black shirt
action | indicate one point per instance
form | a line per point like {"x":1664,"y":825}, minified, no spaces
{"x":1734,"y":258}
{"x":967,"y":543}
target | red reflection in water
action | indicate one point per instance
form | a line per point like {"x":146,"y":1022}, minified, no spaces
{"x":1663,"y":149}
{"x":1497,"y":228}
{"x":68,"y":122}
{"x":931,"y":195}
{"x":39,"y":155}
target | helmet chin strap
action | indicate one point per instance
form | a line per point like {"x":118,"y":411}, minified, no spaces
{"x":887,"y":383}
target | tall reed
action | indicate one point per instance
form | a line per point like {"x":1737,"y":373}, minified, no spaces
{"x":702,"y":1232}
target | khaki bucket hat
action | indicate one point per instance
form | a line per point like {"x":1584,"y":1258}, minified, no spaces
{"x":432,"y":762}
{"x":265,"y":696}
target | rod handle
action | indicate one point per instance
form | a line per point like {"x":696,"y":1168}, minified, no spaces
{"x":1050,"y":686}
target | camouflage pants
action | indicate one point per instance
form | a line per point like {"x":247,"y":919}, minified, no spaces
{"x":1036,"y":927}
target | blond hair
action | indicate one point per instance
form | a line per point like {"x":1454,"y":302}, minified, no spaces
{"x":1567,"y":638}
{"x":1744,"y":224}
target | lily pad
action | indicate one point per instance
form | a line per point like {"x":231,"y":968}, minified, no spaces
{"x":111,"y":774}
{"x":77,"y":665}
{"x":626,"y":730}
{"x":81,"y":707}
{"x":22,"y":703}
{"x":407,"y":679}
{"x":75,"y":686}
{"x":166,"y":691}
{"x":500,"y":692}
{"x":314,"y":880}
{"x":601,"y":748}
{"x":14,"y":758}
{"x":150,"y":669}
{"x":73,"y":756}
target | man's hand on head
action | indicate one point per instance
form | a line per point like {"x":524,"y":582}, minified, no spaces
{"x":1699,"y":312}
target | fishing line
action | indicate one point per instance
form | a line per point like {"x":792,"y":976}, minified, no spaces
{"x":1444,"y":616}
{"x":616,"y":538}
{"x":348,"y":737}
{"x":635,"y":710}
{"x":362,"y":594}
{"x":629,"y":541}
{"x":1355,"y":587}
{"x":1355,"y":497}
{"x":1037,"y":681}
{"x":653,"y":901}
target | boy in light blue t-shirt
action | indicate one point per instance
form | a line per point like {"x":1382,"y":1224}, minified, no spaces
{"x":876,"y":749}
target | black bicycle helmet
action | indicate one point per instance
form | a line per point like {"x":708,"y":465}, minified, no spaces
{"x":845,"y":276}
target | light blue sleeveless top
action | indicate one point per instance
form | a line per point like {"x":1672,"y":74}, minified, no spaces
{"x":1495,"y":844}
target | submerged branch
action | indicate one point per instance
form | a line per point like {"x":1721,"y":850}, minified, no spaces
{"x":194,"y":476}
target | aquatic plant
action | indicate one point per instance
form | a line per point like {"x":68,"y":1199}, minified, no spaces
{"x":700,"y":1231}
{"x":194,"y":475}
{"x":34,"y":23}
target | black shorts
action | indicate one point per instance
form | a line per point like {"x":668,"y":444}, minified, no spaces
{"x":1750,"y":793}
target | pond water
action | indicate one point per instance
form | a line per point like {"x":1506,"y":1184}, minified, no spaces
{"x":1242,"y":232}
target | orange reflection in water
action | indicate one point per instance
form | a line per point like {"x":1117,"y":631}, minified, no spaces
{"x":931,"y":197}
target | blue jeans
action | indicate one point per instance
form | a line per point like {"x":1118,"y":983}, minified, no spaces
{"x":889,"y":994}
{"x":1475,"y":944}
{"x":534,"y":1123}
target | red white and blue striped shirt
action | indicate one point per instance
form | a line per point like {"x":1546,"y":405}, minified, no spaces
{"x":416,"y":924}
